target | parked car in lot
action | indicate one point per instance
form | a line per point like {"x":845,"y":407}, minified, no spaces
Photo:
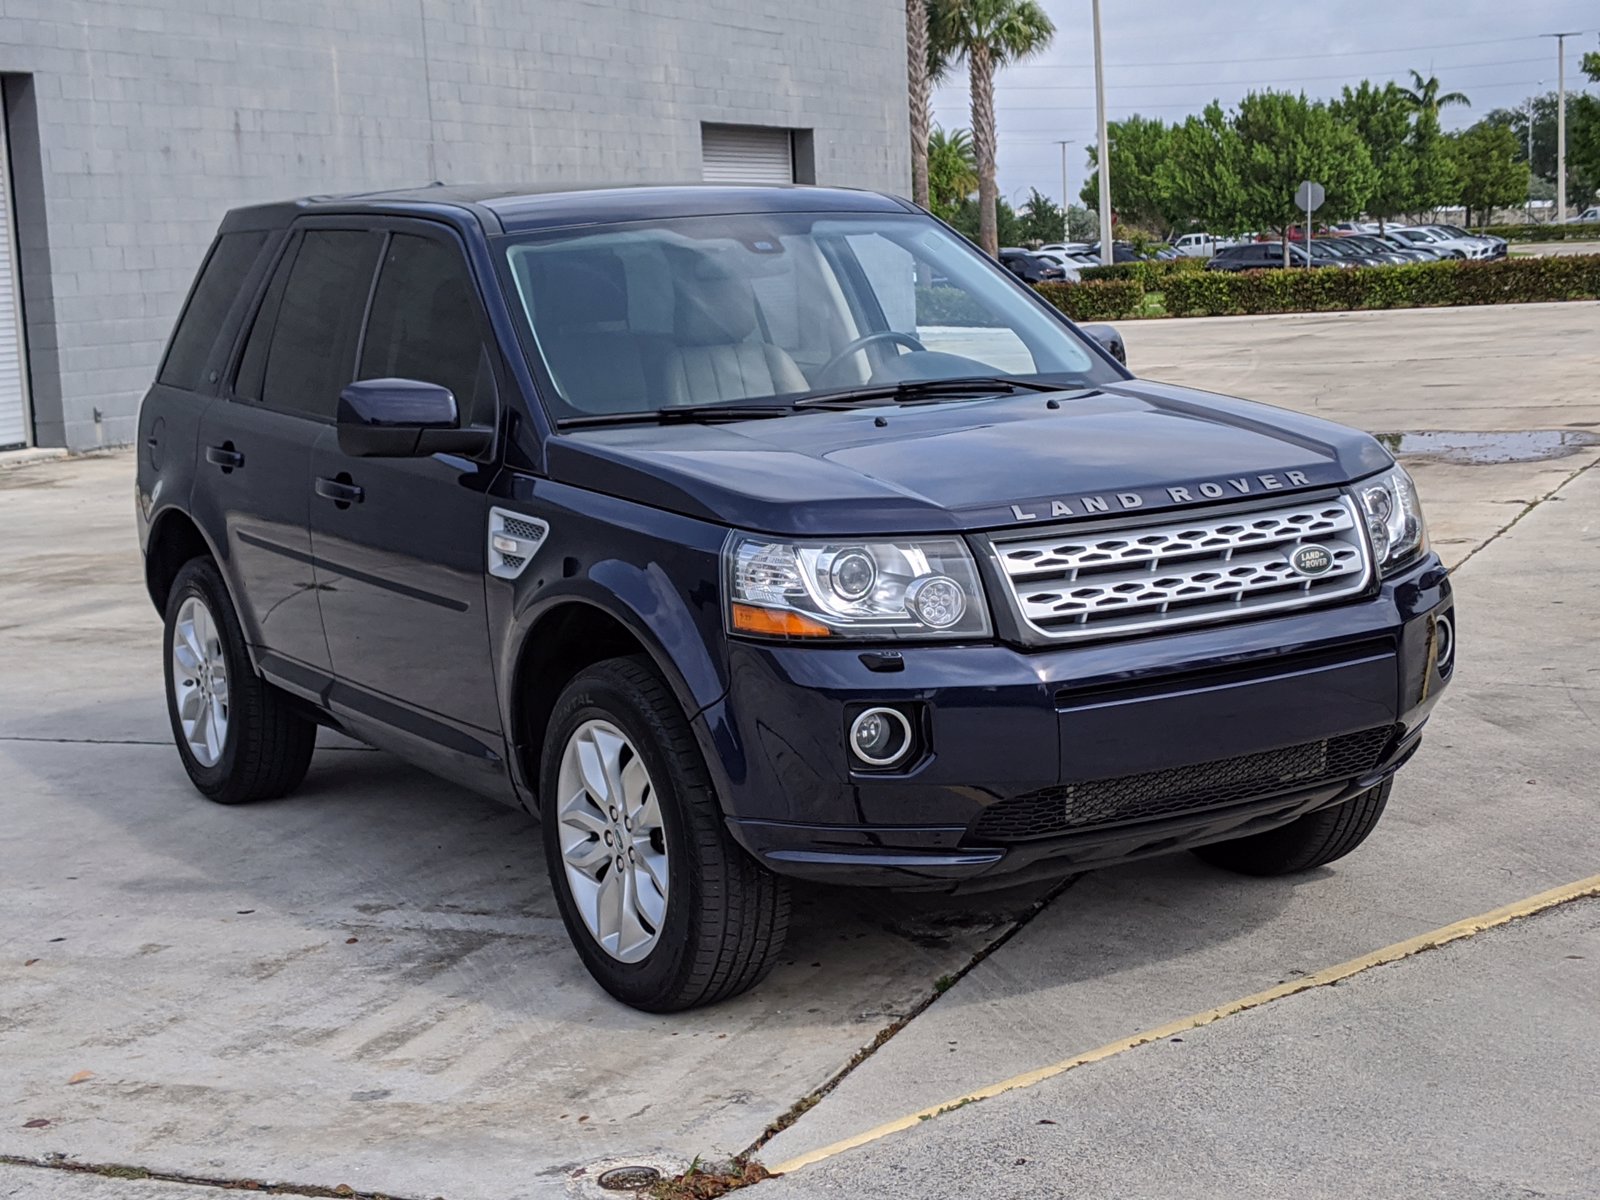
{"x":1380,"y":251}
{"x":1497,"y":245}
{"x":1448,"y":243}
{"x":1393,"y":252}
{"x":1198,"y":245}
{"x":1349,"y":251}
{"x":1121,"y":252}
{"x":1588,"y":216}
{"x":1030,"y":267}
{"x":658,"y":512}
{"x":1260,"y":256}
{"x":1420,"y":251}
{"x":1069,"y":266}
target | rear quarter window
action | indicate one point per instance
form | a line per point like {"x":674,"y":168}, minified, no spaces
{"x":214,"y":293}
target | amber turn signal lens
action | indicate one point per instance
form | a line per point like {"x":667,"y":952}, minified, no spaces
{"x":774,"y":622}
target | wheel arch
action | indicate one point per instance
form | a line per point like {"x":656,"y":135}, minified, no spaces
{"x":571,"y":633}
{"x":175,"y":538}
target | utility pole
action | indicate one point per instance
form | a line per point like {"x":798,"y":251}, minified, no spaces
{"x":1066,"y":196}
{"x":1530,"y":152}
{"x":1561,"y":123}
{"x":1105,"y":148}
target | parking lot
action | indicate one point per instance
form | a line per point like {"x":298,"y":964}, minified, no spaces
{"x":368,"y":985}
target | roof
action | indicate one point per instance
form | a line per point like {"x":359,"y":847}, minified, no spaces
{"x":521,"y":208}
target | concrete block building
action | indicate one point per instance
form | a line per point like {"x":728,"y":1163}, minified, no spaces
{"x":130,"y":126}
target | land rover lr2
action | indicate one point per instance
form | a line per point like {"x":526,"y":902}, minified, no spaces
{"x":753,"y":533}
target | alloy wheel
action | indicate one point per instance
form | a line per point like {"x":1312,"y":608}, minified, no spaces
{"x":200,"y":681}
{"x":613,"y":845}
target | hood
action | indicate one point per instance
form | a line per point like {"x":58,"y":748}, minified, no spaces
{"x":968,"y":465}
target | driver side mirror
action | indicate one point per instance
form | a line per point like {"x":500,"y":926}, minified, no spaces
{"x":404,"y":418}
{"x":1109,"y":339}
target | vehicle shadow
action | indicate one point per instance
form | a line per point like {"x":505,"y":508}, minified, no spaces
{"x":378,"y":960}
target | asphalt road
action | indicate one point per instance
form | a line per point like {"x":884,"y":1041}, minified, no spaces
{"x":366,"y":985}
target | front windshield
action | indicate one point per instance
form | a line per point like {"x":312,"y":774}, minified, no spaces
{"x":774,"y":307}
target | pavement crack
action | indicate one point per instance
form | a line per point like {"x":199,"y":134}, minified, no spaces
{"x":60,"y":1162}
{"x":942,"y":985}
{"x":1525,"y":510}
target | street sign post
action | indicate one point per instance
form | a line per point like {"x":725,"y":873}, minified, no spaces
{"x":1308,"y":198}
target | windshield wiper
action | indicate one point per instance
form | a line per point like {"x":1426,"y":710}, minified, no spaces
{"x":912,"y":391}
{"x":684,"y":413}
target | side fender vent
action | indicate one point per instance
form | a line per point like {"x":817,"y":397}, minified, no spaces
{"x":513,"y":541}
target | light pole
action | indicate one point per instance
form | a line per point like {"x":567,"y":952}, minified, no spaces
{"x":1561,"y":123}
{"x":1530,"y":151}
{"x":1105,"y":149}
{"x":1066,"y":196}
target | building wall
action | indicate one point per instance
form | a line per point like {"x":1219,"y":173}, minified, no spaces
{"x":153,"y":117}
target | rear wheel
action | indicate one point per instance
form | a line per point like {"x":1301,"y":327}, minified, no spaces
{"x":1311,"y":841}
{"x":239,"y":737}
{"x":665,"y":909}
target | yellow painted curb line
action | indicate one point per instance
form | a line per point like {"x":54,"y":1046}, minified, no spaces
{"x":1426,"y":941}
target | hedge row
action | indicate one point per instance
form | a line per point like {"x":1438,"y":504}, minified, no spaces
{"x":1506,"y":281}
{"x":1151,"y":275}
{"x":1095,"y":299}
{"x":1543,"y":233}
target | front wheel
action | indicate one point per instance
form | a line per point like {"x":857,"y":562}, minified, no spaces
{"x":665,"y":909}
{"x":1313,"y":840}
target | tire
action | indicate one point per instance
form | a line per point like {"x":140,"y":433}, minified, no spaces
{"x":265,"y":745}
{"x":719,"y":925}
{"x":1313,"y":840}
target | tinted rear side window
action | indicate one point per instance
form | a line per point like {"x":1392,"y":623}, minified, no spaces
{"x":312,"y":355}
{"x":215,"y":292}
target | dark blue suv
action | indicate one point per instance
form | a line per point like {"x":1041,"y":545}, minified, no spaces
{"x":749,"y":533}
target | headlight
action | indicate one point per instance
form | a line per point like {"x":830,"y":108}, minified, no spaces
{"x":1394,"y":518}
{"x":857,"y":590}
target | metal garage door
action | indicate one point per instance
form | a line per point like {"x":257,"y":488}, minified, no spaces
{"x":13,"y":361}
{"x":746,"y":154}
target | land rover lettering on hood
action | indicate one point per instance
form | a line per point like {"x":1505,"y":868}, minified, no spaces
{"x":748,"y":534}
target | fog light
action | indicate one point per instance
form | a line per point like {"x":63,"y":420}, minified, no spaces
{"x":880,"y":737}
{"x":1444,"y":644}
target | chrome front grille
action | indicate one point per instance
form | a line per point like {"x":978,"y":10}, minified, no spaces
{"x":1099,"y":581}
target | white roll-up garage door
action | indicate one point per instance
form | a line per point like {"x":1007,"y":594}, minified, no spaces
{"x":746,"y":154}
{"x":13,"y":363}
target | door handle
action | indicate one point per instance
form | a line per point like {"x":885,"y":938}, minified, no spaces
{"x":340,"y":491}
{"x":224,"y":456}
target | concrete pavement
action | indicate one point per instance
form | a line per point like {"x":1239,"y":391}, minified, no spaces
{"x":208,"y":981}
{"x":1499,"y":803}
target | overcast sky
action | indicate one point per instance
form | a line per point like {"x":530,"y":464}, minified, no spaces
{"x":1168,"y":58}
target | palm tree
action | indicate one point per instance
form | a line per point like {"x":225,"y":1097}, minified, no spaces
{"x":921,"y":89}
{"x":1423,"y":95}
{"x":926,"y":65}
{"x":952,"y":170}
{"x":988,"y":34}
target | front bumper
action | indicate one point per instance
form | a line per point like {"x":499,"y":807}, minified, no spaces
{"x":1007,"y":725}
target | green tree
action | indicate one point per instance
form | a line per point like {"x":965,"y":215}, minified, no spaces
{"x":1139,"y":145}
{"x":1007,"y":226}
{"x":1488,"y":174}
{"x":1382,"y":118}
{"x":1041,"y":219}
{"x":1424,"y":97}
{"x":952,"y":171}
{"x":1203,"y":173}
{"x":987,"y":35}
{"x":1286,"y":139}
{"x":1433,"y":169}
